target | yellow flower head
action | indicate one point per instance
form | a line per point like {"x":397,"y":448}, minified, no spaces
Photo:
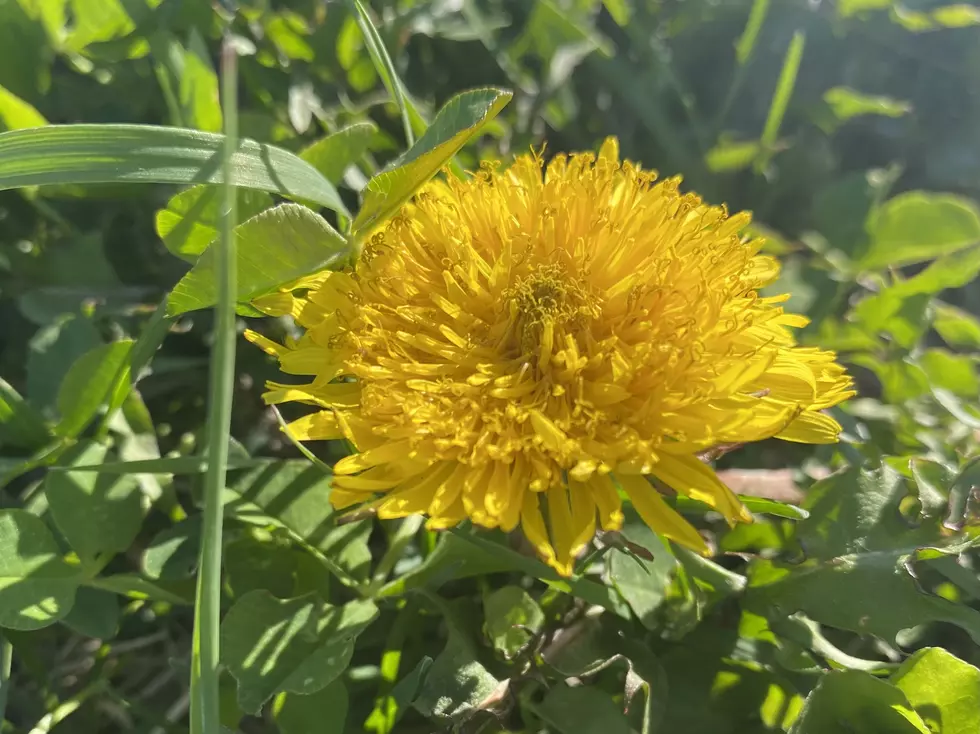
{"x":526,"y":346}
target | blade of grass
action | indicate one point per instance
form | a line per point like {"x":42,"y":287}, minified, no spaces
{"x":6,"y":656}
{"x":385,"y":67}
{"x":743,"y":54}
{"x":780,"y":100}
{"x":205,"y":711}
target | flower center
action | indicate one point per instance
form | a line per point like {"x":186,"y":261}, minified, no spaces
{"x":545,"y":301}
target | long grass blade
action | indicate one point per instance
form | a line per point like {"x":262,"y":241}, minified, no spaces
{"x":780,"y":100}
{"x":205,"y":710}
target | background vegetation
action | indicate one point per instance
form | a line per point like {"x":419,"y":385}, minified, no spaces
{"x":850,"y":128}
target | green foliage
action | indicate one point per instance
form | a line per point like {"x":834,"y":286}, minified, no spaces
{"x":852,"y":603}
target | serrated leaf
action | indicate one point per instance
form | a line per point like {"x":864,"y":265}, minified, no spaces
{"x":943,"y":690}
{"x":332,"y":154}
{"x":189,"y":224}
{"x":37,"y":586}
{"x":83,"y":154}
{"x":274,"y":247}
{"x":98,"y":514}
{"x":860,"y":702}
{"x":918,"y":226}
{"x":294,"y":645}
{"x":459,"y":120}
{"x":87,"y":384}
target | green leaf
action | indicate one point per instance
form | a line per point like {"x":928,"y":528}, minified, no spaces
{"x":643,"y":584}
{"x":732,"y":156}
{"x":861,"y":539}
{"x":943,"y":690}
{"x":848,"y":8}
{"x":457,"y":685}
{"x":37,"y":586}
{"x":275,"y":247}
{"x":95,"y":614}
{"x":918,"y":226}
{"x":53,"y":349}
{"x":296,"y":496}
{"x":757,"y":505}
{"x":252,"y":564}
{"x":173,"y":553}
{"x":194,"y":80}
{"x":85,"y":154}
{"x":323,"y":712}
{"x":168,"y":465}
{"x":582,"y":710}
{"x":332,"y":154}
{"x":958,"y":328}
{"x":847,"y":103}
{"x":20,"y":425}
{"x":294,"y":645}
{"x":87,"y":384}
{"x":952,"y":372}
{"x":16,"y":114}
{"x":860,"y":702}
{"x":457,"y":122}
{"x":512,"y":616}
{"x":98,"y":514}
{"x":189,"y":224}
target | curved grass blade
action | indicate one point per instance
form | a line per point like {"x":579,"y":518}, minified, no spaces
{"x":88,"y":154}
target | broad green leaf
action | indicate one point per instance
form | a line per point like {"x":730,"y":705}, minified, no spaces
{"x":133,"y":586}
{"x":16,"y":114}
{"x":918,"y":226}
{"x":195,"y":82}
{"x":582,"y":710}
{"x":53,"y":350}
{"x":457,"y":122}
{"x":98,"y":514}
{"x":81,"y":154}
{"x":952,"y":372}
{"x":847,"y":103}
{"x":296,"y":495}
{"x":332,"y":154}
{"x":943,"y":690}
{"x":37,"y":586}
{"x":732,"y":156}
{"x":643,"y":584}
{"x":173,"y":553}
{"x":277,"y":246}
{"x":20,"y":425}
{"x":95,"y":614}
{"x":512,"y":616}
{"x":296,"y":645}
{"x":189,"y":224}
{"x":252,"y":564}
{"x":88,"y":383}
{"x":323,"y":712}
{"x":457,"y":684}
{"x":958,"y":328}
{"x":98,"y":21}
{"x":860,"y":702}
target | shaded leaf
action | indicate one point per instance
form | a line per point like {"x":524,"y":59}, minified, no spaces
{"x":582,"y":710}
{"x":87,"y":384}
{"x":95,"y":614}
{"x":98,"y":514}
{"x":643,"y":584}
{"x":332,"y":154}
{"x":274,"y":247}
{"x":134,"y":586}
{"x":294,"y":645}
{"x":323,"y":712}
{"x":512,"y":616}
{"x":20,"y":425}
{"x":458,"y":121}
{"x":173,"y":553}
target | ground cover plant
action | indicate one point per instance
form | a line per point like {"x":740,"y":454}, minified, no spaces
{"x":236,"y":497}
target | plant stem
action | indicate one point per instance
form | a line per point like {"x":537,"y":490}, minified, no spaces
{"x":205,"y":711}
{"x":6,"y":656}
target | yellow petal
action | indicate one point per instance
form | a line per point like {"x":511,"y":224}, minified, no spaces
{"x":607,"y":500}
{"x":659,"y":516}
{"x":532,"y":523}
{"x":811,"y":427}
{"x":695,"y":479}
{"x":320,"y":426}
{"x":384,"y":454}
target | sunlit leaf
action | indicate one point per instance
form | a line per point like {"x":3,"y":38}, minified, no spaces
{"x":332,"y":154}
{"x":943,"y":690}
{"x":457,"y":122}
{"x":88,"y":383}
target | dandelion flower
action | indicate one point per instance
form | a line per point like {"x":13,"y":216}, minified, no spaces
{"x":531,"y":345}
